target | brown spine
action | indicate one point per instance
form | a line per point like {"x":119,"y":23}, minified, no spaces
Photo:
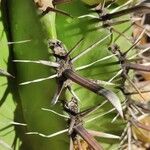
{"x":69,"y":74}
{"x":138,"y":67}
{"x":109,"y":95}
{"x":88,"y":138}
{"x":141,"y":8}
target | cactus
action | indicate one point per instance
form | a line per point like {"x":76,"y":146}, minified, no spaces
{"x":80,"y":61}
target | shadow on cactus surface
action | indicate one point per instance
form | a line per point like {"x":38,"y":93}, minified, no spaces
{"x":28,"y":120}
